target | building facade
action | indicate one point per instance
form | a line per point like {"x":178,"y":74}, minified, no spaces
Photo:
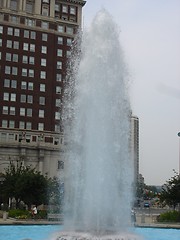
{"x":135,"y":146}
{"x":35,"y":41}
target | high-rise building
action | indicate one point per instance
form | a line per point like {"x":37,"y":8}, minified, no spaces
{"x":35,"y":40}
{"x":135,"y":146}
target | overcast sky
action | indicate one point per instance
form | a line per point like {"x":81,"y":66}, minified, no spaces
{"x":150,"y":37}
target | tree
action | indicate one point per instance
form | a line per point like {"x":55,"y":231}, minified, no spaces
{"x":24,"y":184}
{"x":170,"y":194}
{"x":55,"y":194}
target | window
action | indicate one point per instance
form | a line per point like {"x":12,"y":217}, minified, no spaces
{"x":13,"y":4}
{"x":29,"y":112}
{"x":68,"y":54}
{"x":32,"y":47}
{"x":42,"y":87}
{"x":8,"y":57}
{"x":16,"y":45}
{"x":60,"y":40}
{"x":28,"y":125}
{"x":59,"y":65}
{"x":33,"y":35}
{"x":29,"y":6}
{"x":0,"y":42}
{"x":4,"y":123}
{"x":58,"y":102}
{"x":5,"y":110}
{"x":22,"y":111}
{"x":30,"y":85}
{"x":44,"y":25}
{"x":72,"y":10}
{"x":57,"y":128}
{"x":10,"y":31}
{"x":64,"y":8}
{"x":14,"y":70}
{"x":14,"y":19}
{"x":16,"y":32}
{"x":31,"y":73}
{"x":23,"y":98}
{"x":12,"y":111}
{"x":45,"y":1}
{"x":22,"y":125}
{"x":15,"y":57}
{"x":11,"y":124}
{"x":58,"y":89}
{"x":9,"y":44}
{"x":69,"y":30}
{"x":13,"y":97}
{"x":40,"y":126}
{"x":43,"y":75}
{"x":44,"y":49}
{"x":57,"y":115}
{"x":23,"y":85}
{"x":13,"y":84}
{"x":42,"y":100}
{"x":60,"y":165}
{"x":30,"y":99}
{"x":24,"y":72}
{"x":44,"y":37}
{"x":60,"y":28}
{"x":69,"y":41}
{"x":6,"y":83}
{"x":59,"y":52}
{"x":25,"y":59}
{"x":25,"y":46}
{"x":10,"y":136}
{"x":45,"y":10}
{"x":7,"y":69}
{"x":1,"y":29}
{"x":41,"y":113}
{"x":43,"y":62}
{"x":30,"y":22}
{"x":58,"y":76}
{"x":57,"y":7}
{"x":31,"y":60}
{"x":26,"y":33}
{"x":6,"y":96}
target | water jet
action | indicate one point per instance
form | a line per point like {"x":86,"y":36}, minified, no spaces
{"x":96,"y":120}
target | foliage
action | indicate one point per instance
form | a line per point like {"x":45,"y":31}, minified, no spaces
{"x":171,"y":216}
{"x":25,"y":214}
{"x":56,"y":195}
{"x":42,"y":214}
{"x":170,"y":194}
{"x":18,"y":213}
{"x":24,"y":184}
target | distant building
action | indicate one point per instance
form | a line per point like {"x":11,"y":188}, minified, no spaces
{"x":35,"y":40}
{"x":135,"y":146}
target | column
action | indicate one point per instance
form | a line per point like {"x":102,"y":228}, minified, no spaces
{"x":7,"y":3}
{"x":52,"y":8}
{"x":37,"y":8}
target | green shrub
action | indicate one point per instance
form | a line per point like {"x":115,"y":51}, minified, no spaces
{"x":42,"y":214}
{"x":171,"y":216}
{"x":25,"y":214}
{"x":19,"y":213}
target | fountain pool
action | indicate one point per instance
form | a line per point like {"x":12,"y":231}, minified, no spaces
{"x":44,"y":232}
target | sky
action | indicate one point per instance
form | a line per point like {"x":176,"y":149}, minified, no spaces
{"x":150,"y":38}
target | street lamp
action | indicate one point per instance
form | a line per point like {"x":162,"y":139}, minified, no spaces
{"x":179,"y":152}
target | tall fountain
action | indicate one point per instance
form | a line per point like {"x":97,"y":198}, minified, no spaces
{"x":96,"y":118}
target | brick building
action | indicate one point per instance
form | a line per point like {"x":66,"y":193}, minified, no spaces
{"x":35,"y":40}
